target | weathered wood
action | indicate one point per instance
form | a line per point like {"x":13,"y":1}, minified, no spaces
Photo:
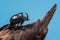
{"x":34,"y":31}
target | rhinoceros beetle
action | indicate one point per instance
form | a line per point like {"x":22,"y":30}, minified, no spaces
{"x":18,"y":19}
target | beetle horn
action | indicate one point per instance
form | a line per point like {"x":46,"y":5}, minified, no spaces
{"x":27,"y":15}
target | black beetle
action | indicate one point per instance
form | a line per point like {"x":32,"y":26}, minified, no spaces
{"x":18,"y":19}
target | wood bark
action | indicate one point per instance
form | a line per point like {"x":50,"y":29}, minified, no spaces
{"x":33,"y":31}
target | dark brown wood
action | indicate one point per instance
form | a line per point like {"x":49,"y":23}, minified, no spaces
{"x":34,"y":31}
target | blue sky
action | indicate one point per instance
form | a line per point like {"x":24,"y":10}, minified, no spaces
{"x":36,"y":9}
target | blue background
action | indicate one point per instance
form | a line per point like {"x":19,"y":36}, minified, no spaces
{"x":36,"y":9}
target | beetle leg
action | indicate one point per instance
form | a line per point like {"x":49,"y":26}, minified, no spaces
{"x":21,"y":24}
{"x":18,"y":24}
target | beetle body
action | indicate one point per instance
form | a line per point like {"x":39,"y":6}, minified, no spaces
{"x":18,"y":19}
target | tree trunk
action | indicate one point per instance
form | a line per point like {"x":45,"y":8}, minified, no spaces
{"x":34,"y":31}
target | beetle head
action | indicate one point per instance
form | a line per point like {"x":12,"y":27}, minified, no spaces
{"x":20,"y":14}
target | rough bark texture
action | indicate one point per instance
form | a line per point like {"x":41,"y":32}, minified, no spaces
{"x":34,"y":31}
